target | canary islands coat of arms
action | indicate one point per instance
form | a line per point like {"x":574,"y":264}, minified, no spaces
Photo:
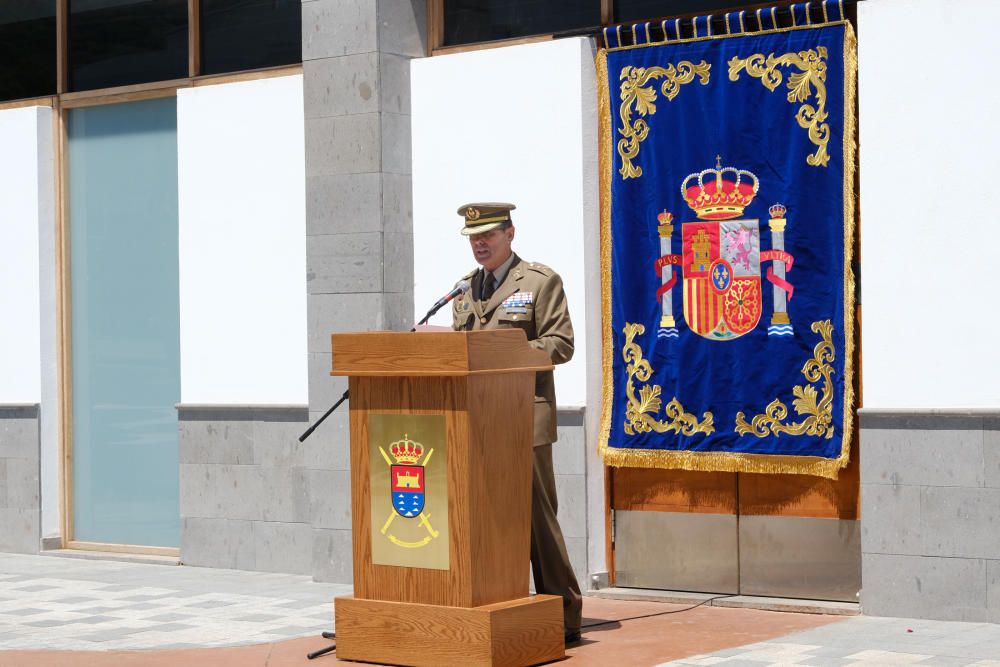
{"x":407,"y":478}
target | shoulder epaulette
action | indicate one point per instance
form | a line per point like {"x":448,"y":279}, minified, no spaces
{"x":540,"y":268}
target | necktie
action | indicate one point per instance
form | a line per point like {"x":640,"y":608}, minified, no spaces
{"x":488,"y":287}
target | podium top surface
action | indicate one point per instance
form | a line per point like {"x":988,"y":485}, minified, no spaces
{"x":385,"y":353}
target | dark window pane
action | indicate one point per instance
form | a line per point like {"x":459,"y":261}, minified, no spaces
{"x":468,"y":21}
{"x":27,"y":48}
{"x":639,"y":10}
{"x":249,"y":34}
{"x":121,"y":42}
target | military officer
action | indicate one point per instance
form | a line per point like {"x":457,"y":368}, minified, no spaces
{"x":509,"y":292}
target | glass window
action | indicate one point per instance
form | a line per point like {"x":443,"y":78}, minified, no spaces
{"x":640,"y":10}
{"x":468,"y":21}
{"x":27,"y":48}
{"x":121,"y":42}
{"x":249,"y":34}
{"x":125,"y":323}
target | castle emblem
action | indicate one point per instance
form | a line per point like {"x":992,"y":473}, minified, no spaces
{"x":721,"y":259}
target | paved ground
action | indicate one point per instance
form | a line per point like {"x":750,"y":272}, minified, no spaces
{"x":68,"y":603}
{"x":863,"y":640}
{"x":59,"y":611}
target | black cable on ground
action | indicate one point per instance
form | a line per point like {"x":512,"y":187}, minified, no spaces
{"x":659,"y":613}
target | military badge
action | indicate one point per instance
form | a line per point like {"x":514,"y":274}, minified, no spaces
{"x":409,"y":490}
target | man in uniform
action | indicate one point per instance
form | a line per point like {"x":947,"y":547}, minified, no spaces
{"x":509,"y":292}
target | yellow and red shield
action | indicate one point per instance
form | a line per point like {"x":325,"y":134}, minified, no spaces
{"x":721,"y":265}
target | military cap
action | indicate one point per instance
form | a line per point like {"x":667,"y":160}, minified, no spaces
{"x":483,"y":217}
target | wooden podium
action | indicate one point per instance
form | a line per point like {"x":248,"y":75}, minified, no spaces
{"x":441,"y":469}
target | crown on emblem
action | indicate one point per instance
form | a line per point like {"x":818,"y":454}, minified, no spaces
{"x":777,"y":211}
{"x":665,"y":218}
{"x":406,"y":450}
{"x":723,"y":195}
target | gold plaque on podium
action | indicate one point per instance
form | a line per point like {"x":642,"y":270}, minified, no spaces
{"x":409,"y":490}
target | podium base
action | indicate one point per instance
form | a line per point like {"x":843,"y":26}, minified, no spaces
{"x":516,"y":633}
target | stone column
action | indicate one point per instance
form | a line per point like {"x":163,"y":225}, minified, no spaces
{"x":359,"y":223}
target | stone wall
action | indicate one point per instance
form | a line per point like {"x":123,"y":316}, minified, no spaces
{"x":20,"y":516}
{"x":930,"y":523}
{"x":569,"y":459}
{"x":245,"y":487}
{"x":254,"y":498}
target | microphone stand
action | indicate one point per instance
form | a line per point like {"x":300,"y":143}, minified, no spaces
{"x":346,"y":394}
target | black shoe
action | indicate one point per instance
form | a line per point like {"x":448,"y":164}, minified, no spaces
{"x":572,"y":637}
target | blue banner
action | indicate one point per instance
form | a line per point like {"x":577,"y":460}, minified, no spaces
{"x":728,"y":225}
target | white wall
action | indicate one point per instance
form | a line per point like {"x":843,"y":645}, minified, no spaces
{"x":928,"y":114}
{"x":29,"y":359}
{"x":241,"y":163}
{"x":503,"y":124}
{"x":22,"y":132}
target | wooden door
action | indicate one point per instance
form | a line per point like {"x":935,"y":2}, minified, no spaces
{"x":770,"y":535}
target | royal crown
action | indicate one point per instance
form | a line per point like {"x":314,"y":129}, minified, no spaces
{"x":777,"y":211}
{"x":406,"y":451}
{"x":665,"y":218}
{"x":721,"y":196}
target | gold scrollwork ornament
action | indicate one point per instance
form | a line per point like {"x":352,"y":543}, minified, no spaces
{"x":640,"y":410}
{"x":811,"y":74}
{"x":818,"y":410}
{"x":634,"y":79}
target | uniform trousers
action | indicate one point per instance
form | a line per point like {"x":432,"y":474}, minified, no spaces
{"x":550,"y":566}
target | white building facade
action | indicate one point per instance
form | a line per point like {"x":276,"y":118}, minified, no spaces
{"x":321,"y":197}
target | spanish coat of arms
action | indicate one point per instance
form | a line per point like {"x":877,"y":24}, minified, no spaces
{"x":721,"y":259}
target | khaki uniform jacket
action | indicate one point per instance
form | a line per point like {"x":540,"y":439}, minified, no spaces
{"x":545,"y":320}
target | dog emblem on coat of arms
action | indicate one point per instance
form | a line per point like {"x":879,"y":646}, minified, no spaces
{"x":721,"y":259}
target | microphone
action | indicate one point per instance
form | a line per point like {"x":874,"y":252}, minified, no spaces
{"x":461,"y":287}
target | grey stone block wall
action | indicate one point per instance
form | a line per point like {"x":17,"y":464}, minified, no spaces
{"x":254,"y":498}
{"x":930,"y":515}
{"x":569,"y":460}
{"x":20,"y":495}
{"x":359,"y":219}
{"x":245,"y":489}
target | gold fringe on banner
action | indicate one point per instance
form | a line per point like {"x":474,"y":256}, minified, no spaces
{"x":722,"y":462}
{"x":850,"y":229}
{"x":604,"y":164}
{"x":730,"y":461}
